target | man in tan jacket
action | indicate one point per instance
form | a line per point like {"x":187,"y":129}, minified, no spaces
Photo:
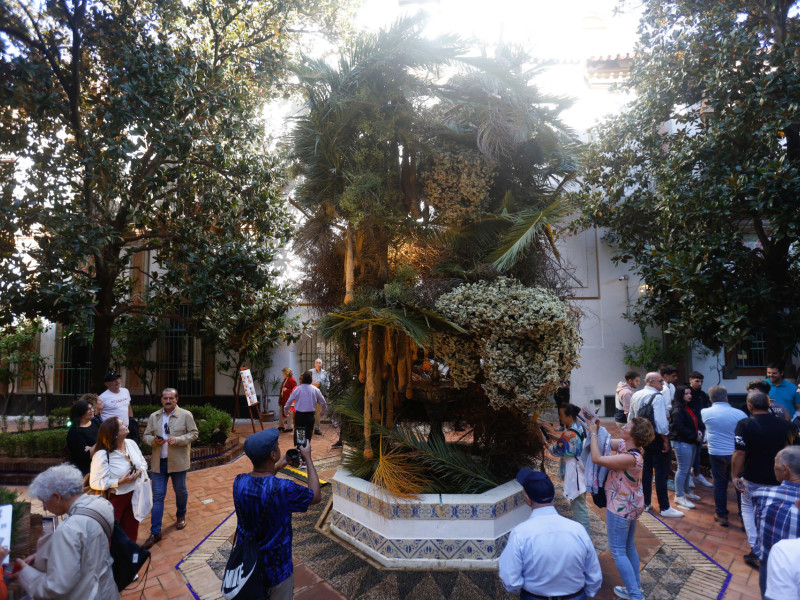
{"x":170,"y":431}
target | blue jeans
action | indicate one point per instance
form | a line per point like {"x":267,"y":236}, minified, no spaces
{"x":721,"y":472}
{"x":623,"y":549}
{"x":684,"y":452}
{"x":160,"y":491}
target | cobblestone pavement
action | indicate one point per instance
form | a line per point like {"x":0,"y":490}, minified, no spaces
{"x":664,"y":554}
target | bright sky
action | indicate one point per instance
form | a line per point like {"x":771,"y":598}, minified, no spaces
{"x":568,"y":31}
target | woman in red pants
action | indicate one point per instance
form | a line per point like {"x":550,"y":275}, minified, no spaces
{"x":116,"y":465}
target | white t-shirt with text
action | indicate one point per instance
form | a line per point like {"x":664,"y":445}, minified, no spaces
{"x":116,"y":405}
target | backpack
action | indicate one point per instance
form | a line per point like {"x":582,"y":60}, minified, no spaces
{"x":646,"y":410}
{"x":128,"y":556}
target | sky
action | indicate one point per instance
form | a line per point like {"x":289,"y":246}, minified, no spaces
{"x":568,"y":32}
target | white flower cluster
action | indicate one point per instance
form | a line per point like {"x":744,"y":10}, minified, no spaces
{"x":525,"y":337}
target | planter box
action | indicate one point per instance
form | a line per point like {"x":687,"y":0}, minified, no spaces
{"x":438,"y":531}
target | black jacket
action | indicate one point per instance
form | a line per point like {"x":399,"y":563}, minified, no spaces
{"x":681,"y":426}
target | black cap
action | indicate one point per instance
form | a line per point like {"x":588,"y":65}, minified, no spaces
{"x":537,"y":485}
{"x":111,"y":376}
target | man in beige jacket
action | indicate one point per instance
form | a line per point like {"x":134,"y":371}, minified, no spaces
{"x":170,"y":431}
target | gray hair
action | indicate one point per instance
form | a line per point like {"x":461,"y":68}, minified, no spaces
{"x":717,"y":393}
{"x":790,"y":457}
{"x":650,"y":376}
{"x":173,"y":390}
{"x":64,"y":480}
{"x":758,"y":400}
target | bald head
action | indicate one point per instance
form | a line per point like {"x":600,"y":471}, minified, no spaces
{"x":654,"y":379}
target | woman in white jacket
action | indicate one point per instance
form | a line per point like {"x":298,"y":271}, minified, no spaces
{"x":74,"y":560}
{"x":116,"y":466}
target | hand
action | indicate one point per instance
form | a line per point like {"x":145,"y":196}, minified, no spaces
{"x":87,"y":448}
{"x":30,"y":558}
{"x":158,"y":441}
{"x":171,"y":441}
{"x":738,"y":483}
{"x":305,"y":451}
{"x":592,"y":425}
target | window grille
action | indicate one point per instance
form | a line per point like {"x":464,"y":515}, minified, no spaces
{"x":72,"y":366}
{"x":752,"y":353}
{"x":180,"y":358}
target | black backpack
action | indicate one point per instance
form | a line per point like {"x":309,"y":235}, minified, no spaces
{"x":646,"y":410}
{"x":128,"y":556}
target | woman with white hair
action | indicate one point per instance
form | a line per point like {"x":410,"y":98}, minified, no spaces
{"x":73,"y":561}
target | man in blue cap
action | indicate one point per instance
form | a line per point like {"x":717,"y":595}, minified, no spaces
{"x":548,"y":557}
{"x":264,"y":506}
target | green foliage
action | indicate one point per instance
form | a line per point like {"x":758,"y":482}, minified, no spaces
{"x":137,"y":129}
{"x":11,"y":497}
{"x":33,"y":444}
{"x":698,"y":179}
{"x":19,"y":355}
{"x":521,"y":343}
{"x":652,"y":352}
{"x":207,"y":418}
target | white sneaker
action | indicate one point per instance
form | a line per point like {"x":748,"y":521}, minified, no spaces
{"x":703,"y":481}
{"x":684,"y":502}
{"x":671,"y":512}
{"x":620,"y":591}
{"x":693,"y":497}
{"x":648,"y":507}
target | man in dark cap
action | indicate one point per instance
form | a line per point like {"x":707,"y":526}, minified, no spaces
{"x":548,"y":556}
{"x":264,"y":506}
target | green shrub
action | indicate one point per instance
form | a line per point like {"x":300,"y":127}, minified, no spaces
{"x":207,"y":417}
{"x":34,"y":444}
{"x":11,"y":497}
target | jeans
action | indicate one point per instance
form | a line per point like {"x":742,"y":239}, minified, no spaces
{"x":684,"y":452}
{"x":580,"y":512}
{"x":721,"y":472}
{"x":623,"y":549}
{"x":697,"y":459}
{"x":654,"y":458}
{"x":160,"y":491}
{"x":749,"y":512}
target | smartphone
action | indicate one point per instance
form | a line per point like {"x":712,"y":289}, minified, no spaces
{"x":301,"y":436}
{"x":158,"y":437}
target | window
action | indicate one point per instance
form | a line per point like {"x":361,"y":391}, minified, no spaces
{"x":313,"y":347}
{"x":180,"y":357}
{"x":73,"y":360}
{"x":752,"y":353}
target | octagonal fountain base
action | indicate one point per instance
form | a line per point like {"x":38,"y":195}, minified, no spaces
{"x":437,"y":531}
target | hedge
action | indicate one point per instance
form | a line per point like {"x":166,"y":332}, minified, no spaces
{"x":52,"y":442}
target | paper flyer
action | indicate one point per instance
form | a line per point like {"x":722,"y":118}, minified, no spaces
{"x":249,"y":388}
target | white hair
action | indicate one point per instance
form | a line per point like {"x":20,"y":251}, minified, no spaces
{"x":790,"y":457}
{"x":64,"y":480}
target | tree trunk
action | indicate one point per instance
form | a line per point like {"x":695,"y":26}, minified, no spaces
{"x":362,"y":358}
{"x":349,"y":266}
{"x":372,"y":387}
{"x":101,"y":350}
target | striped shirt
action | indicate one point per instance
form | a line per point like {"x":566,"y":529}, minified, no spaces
{"x":777,"y":516}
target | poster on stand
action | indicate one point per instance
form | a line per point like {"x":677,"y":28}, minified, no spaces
{"x":249,"y":388}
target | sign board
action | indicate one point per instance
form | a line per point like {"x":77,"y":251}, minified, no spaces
{"x":249,"y":388}
{"x":5,"y":528}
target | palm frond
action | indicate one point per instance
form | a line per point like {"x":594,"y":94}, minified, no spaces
{"x":527,"y":226}
{"x":399,"y":473}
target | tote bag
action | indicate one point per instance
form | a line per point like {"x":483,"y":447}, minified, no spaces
{"x":243,"y":578}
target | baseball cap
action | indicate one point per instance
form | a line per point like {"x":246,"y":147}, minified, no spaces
{"x":537,"y":485}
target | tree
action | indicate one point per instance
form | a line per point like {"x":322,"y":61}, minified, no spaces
{"x":20,"y":357}
{"x":136,"y":128}
{"x":697,"y":180}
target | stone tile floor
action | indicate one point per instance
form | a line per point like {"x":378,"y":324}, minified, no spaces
{"x":210,"y":502}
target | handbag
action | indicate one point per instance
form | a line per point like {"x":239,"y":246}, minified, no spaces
{"x":142,"y":500}
{"x":243,"y":578}
{"x":90,"y":491}
{"x":128,"y":556}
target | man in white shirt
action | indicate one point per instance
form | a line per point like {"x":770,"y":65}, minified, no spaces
{"x":548,"y":556}
{"x":783,"y":570}
{"x":116,"y":399}
{"x":657,"y":455}
{"x":321,"y":381}
{"x":669,"y":373}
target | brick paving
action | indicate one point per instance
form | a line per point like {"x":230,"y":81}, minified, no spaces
{"x":725,"y":545}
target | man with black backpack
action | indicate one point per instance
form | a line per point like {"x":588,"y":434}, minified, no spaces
{"x":650,"y":404}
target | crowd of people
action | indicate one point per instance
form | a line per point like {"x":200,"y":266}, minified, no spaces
{"x":755,"y":449}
